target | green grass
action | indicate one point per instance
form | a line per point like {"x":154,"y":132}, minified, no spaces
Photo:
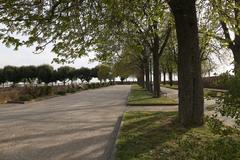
{"x":212,"y":94}
{"x":207,"y":93}
{"x":169,"y":86}
{"x":158,"y":136}
{"x":140,"y":96}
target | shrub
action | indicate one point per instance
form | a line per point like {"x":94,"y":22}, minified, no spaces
{"x":45,"y":91}
{"x":71,"y":90}
{"x":217,"y":127}
{"x":62,"y":93}
{"x":229,"y":103}
{"x":26,"y":97}
{"x":223,"y":80}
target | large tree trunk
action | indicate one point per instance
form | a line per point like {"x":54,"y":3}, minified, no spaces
{"x":189,"y":67}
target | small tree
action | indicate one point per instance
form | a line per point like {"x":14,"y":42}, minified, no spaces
{"x":54,"y":78}
{"x":28,"y":73}
{"x":84,"y":74}
{"x":64,"y":73}
{"x":44,"y":73}
{"x":123,"y":68}
{"x":94,"y":72}
{"x":2,"y":77}
{"x":12,"y":74}
{"x":72,"y":75}
{"x":104,"y":72}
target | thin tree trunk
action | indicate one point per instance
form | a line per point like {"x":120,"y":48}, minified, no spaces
{"x":156,"y":81}
{"x":189,"y":67}
{"x":164,"y":77}
{"x":170,"y":75}
{"x":141,"y":77}
{"x":236,"y":53}
{"x":233,"y":45}
{"x":147,"y":81}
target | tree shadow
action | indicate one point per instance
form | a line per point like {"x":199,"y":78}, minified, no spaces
{"x":144,"y":133}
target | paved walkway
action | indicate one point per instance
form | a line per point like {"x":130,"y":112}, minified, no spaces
{"x":72,"y":127}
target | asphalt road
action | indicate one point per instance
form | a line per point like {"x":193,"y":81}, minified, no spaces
{"x":71,"y":127}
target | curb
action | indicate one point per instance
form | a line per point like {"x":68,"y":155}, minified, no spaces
{"x":152,"y":104}
{"x":111,"y":151}
{"x":111,"y":146}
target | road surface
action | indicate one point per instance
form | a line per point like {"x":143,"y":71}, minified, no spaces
{"x":72,"y":127}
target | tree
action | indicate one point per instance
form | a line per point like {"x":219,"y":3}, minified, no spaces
{"x":28,"y":73}
{"x":2,"y":77}
{"x":70,"y":26}
{"x":189,"y":66}
{"x":227,"y":13}
{"x":65,"y":73}
{"x":168,"y":63}
{"x":104,"y":72}
{"x":12,"y":74}
{"x":44,"y":73}
{"x":84,"y":74}
{"x":78,"y":26}
{"x":54,"y":77}
{"x":94,"y":72}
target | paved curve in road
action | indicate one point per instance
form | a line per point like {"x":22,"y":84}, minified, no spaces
{"x":72,"y":127}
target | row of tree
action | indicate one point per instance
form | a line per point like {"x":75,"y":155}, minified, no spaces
{"x":47,"y":74}
{"x":133,"y":34}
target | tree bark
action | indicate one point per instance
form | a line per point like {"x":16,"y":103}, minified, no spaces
{"x":164,"y":77}
{"x":236,"y":53}
{"x":156,"y":70}
{"x":141,"y":77}
{"x":189,"y":66}
{"x":147,"y":81}
{"x":170,"y":75}
{"x":233,"y":45}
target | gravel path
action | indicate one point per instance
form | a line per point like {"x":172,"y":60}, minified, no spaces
{"x":72,"y":127}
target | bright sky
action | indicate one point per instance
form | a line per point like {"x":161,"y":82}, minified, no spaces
{"x":25,"y":56}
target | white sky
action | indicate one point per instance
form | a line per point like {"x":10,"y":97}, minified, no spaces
{"x":25,"y":56}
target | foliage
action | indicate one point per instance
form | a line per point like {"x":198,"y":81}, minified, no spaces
{"x":65,"y":73}
{"x":223,"y":79}
{"x":28,"y":73}
{"x":104,"y":72}
{"x":85,"y":74}
{"x":44,"y":73}
{"x":217,"y":127}
{"x":2,"y":77}
{"x":12,"y":74}
{"x":25,"y":97}
{"x":62,"y":93}
{"x":94,"y":72}
{"x":36,"y":92}
{"x":123,"y":67}
{"x":229,"y":103}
